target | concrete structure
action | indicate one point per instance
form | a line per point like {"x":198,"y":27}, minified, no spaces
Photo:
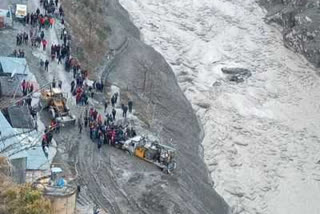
{"x":61,"y":195}
{"x":20,"y":117}
{"x":19,"y":167}
{"x":12,"y":72}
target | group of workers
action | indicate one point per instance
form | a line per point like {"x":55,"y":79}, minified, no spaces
{"x":48,"y":135}
{"x":51,"y":6}
{"x":104,"y":130}
{"x":27,"y":87}
{"x":22,"y":38}
{"x":18,"y":53}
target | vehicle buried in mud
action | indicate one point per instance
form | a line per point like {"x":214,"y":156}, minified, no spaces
{"x":54,"y":100}
{"x":152,"y":151}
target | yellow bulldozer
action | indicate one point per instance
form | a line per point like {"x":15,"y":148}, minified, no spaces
{"x":56,"y":102}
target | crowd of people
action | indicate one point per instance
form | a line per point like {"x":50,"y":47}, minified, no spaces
{"x":104,"y":130}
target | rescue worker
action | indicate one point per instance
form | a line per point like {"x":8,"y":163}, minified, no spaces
{"x":72,"y":85}
{"x":31,"y":88}
{"x":44,"y":145}
{"x":99,"y":139}
{"x":105,"y":105}
{"x":91,"y":126}
{"x":24,"y":86}
{"x":113,"y":100}
{"x":54,"y":82}
{"x":116,"y":97}
{"x":60,"y":84}
{"x":80,"y":125}
{"x":44,"y":44}
{"x":124,"y":111}
{"x":130,"y":104}
{"x":85,"y":121}
{"x":46,"y":65}
{"x":114,"y":112}
{"x":51,"y":21}
{"x":133,"y":132}
{"x":42,"y":35}
{"x":29,"y":100}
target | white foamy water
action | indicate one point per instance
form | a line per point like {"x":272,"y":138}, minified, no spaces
{"x":262,"y":136}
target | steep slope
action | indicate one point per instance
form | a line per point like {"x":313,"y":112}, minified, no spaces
{"x":139,"y":70}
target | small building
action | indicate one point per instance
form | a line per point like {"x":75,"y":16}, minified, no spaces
{"x":10,"y":147}
{"x":12,"y":72}
{"x":23,"y":148}
{"x":5,"y":18}
{"x":60,"y":191}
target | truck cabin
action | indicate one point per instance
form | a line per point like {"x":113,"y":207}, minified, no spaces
{"x":52,"y":93}
{"x":21,"y":11}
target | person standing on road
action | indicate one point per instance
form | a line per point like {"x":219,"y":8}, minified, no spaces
{"x":105,"y":105}
{"x":44,"y":44}
{"x":85,"y":121}
{"x":112,"y":101}
{"x":42,"y":35}
{"x":130,"y":104}
{"x":72,"y":86}
{"x":54,"y":82}
{"x":80,"y":125}
{"x":114,"y":112}
{"x":46,"y":65}
{"x":124,"y":111}
{"x":60,"y":84}
{"x":116,"y":97}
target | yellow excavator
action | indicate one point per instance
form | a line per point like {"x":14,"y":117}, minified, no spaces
{"x":152,"y":151}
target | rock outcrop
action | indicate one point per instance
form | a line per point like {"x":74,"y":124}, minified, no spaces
{"x":300,"y":21}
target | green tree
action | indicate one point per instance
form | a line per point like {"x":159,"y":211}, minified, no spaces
{"x":24,"y":199}
{"x":20,"y":199}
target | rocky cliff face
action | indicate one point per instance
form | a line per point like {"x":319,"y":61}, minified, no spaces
{"x":124,"y":60}
{"x":300,"y":21}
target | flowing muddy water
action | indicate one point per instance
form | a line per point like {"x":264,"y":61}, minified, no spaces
{"x":262,"y":137}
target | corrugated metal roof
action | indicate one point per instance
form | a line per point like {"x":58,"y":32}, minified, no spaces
{"x":9,"y":143}
{"x":13,"y":65}
{"x":16,"y":140}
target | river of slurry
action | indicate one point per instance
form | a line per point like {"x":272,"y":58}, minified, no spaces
{"x":261,"y":136}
